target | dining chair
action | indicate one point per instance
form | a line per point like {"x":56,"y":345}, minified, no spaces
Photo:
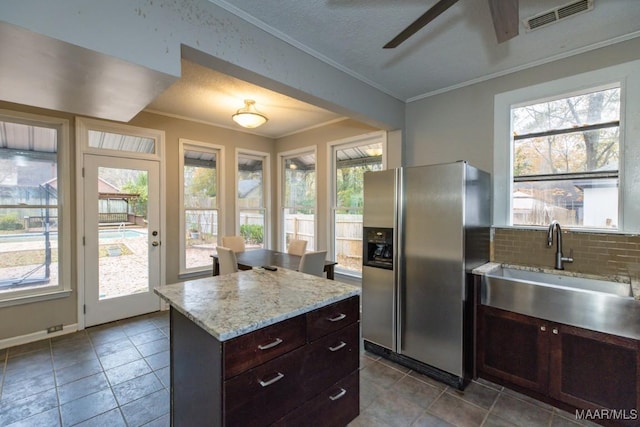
{"x":297,"y":247}
{"x":236,"y":243}
{"x":227,"y":260}
{"x":313,"y":263}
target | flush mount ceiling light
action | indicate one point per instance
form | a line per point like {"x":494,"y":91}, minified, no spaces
{"x":248,"y":116}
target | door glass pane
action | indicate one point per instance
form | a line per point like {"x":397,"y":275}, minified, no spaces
{"x":200,"y":194}
{"x":300,"y":199}
{"x":251,"y":200}
{"x":123,"y":251}
{"x":351,"y":163}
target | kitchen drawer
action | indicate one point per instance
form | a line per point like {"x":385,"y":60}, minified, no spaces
{"x":336,"y":406}
{"x":336,"y":316}
{"x":330,"y":359}
{"x":255,"y":348}
{"x":265,"y":393}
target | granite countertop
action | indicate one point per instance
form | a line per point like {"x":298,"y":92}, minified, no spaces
{"x":233,"y":304}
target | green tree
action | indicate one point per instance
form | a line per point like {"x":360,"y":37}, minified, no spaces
{"x":140,"y":186}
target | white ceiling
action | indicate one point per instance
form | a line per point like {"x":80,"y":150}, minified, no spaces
{"x":458,"y":48}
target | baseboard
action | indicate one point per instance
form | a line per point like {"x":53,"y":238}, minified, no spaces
{"x":36,"y":336}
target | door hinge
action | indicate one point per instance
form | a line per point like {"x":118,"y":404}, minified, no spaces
{"x":84,"y":308}
{"x":83,"y":172}
{"x":83,"y":241}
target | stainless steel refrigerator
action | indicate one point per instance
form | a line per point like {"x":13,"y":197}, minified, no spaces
{"x":425,"y":229}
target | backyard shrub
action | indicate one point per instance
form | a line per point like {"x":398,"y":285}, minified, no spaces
{"x":252,"y":233}
{"x":11,"y":221}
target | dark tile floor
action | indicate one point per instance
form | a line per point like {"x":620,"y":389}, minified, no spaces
{"x":110,"y":375}
{"x":118,"y":375}
{"x":392,"y":395}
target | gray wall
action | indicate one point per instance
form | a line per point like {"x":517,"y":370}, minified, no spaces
{"x":458,"y":125}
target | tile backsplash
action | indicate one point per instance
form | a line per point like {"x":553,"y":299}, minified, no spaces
{"x":593,"y":253}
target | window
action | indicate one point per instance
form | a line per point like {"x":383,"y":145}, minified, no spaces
{"x":201,"y":196}
{"x":252,"y":198}
{"x":568,"y":150}
{"x":351,"y":158}
{"x":565,"y":160}
{"x":299,"y":198}
{"x":34,"y":236}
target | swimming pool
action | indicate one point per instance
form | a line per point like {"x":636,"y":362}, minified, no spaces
{"x":103,"y":235}
{"x":121,"y":234}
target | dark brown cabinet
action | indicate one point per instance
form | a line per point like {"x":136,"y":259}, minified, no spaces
{"x":302,"y":367}
{"x":592,"y":368}
{"x":514,"y":348}
{"x":577,"y":367}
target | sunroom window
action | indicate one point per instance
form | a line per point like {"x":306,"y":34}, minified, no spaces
{"x":31,"y":237}
{"x":200,"y":204}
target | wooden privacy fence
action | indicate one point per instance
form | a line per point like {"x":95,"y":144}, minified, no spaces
{"x":348,"y":229}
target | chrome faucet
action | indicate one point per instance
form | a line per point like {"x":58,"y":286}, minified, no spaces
{"x":559,"y":258}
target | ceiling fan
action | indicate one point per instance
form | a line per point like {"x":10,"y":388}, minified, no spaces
{"x":503,"y":12}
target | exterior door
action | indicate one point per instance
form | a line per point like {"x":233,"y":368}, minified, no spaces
{"x":121,"y":237}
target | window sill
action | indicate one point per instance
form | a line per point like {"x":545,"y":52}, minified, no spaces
{"x":194,"y":274}
{"x":28,"y":299}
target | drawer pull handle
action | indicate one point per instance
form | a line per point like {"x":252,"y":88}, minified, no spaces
{"x":272,"y":344}
{"x":272,"y":380}
{"x":338,"y":347}
{"x":337,"y":318}
{"x":338,"y":395}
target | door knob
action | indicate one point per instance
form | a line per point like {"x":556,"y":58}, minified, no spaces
{"x":155,"y":243}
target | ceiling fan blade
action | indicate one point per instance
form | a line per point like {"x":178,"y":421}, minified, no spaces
{"x":417,"y":25}
{"x":506,"y":18}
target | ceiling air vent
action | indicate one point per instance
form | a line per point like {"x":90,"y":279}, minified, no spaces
{"x":557,"y":14}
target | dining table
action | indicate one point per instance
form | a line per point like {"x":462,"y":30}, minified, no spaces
{"x":267,"y":257}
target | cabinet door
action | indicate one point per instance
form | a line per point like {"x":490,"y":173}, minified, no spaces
{"x":514,"y":348}
{"x":594,"y":370}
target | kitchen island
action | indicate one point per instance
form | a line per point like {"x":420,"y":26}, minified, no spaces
{"x":260,"y":347}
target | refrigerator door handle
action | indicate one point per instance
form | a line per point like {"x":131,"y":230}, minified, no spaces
{"x":397,"y":282}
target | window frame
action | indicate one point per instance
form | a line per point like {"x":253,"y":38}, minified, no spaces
{"x":627,"y":77}
{"x":64,"y":177}
{"x":332,"y":197}
{"x":187,"y":144}
{"x":282,"y":156}
{"x":266,"y":191}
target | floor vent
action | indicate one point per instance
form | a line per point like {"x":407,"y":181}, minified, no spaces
{"x":557,"y":14}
